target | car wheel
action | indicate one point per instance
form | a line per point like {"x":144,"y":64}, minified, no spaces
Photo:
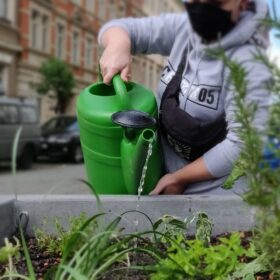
{"x":27,"y":157}
{"x":77,"y":154}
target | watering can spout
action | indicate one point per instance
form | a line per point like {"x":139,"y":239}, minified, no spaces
{"x":134,"y":155}
{"x":139,"y":150}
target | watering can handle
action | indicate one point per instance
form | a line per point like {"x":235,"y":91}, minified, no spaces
{"x":121,"y":90}
{"x":119,"y":87}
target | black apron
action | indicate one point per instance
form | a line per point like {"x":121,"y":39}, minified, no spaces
{"x":188,"y":136}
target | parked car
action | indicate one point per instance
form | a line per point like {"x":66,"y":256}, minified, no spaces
{"x":60,"y":138}
{"x":15,"y":113}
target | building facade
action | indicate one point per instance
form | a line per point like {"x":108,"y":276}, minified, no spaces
{"x":9,"y":47}
{"x":32,"y":31}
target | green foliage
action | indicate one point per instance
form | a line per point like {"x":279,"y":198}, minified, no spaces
{"x":267,"y":242}
{"x":264,"y":182}
{"x":171,"y":226}
{"x":191,"y":259}
{"x":7,"y":255}
{"x":203,"y":227}
{"x":247,"y":271}
{"x":100,"y":250}
{"x":55,"y":243}
{"x":14,"y":158}
{"x":196,"y":259}
{"x":9,"y":250}
{"x":30,"y":268}
{"x":57,"y":78}
{"x":93,"y":249}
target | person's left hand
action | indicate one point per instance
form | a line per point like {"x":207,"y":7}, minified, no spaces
{"x":168,"y":184}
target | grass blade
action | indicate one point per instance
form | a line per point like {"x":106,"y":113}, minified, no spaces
{"x":16,"y":276}
{"x":94,"y":192}
{"x":30,"y":268}
{"x":74,"y":273}
{"x":14,"y":158}
{"x":77,"y":235}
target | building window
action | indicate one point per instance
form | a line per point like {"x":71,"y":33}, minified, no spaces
{"x":39,"y":31}
{"x":4,"y":78}
{"x":121,"y":10}
{"x":163,"y":7}
{"x":90,"y":6}
{"x":3,"y":8}
{"x":101,"y":9}
{"x":77,"y":2}
{"x":89,"y":53}
{"x":60,"y":38}
{"x":75,"y":48}
{"x":112,"y":9}
{"x":2,"y":87}
{"x":155,"y":7}
{"x":34,"y":29}
{"x":45,"y":33}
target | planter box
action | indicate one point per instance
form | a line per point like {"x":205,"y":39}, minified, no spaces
{"x":7,"y":215}
{"x":228,"y":213}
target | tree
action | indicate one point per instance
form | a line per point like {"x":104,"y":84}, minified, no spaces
{"x":58,"y":78}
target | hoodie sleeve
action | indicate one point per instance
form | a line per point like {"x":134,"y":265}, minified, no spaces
{"x":220,"y":159}
{"x":149,"y":35}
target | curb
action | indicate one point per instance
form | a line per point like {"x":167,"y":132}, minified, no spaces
{"x":228,"y":213}
{"x":7,"y":225}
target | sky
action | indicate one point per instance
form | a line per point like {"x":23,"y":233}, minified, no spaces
{"x":275,"y":41}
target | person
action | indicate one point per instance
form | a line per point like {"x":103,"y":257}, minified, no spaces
{"x":195,"y":99}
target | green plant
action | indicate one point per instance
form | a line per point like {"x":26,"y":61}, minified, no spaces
{"x":7,"y":253}
{"x":10,"y":251}
{"x":171,"y":226}
{"x":58,"y":78}
{"x":100,"y":250}
{"x":203,"y":228}
{"x":191,"y":259}
{"x":197,"y":259}
{"x":263,"y":181}
{"x":55,"y":243}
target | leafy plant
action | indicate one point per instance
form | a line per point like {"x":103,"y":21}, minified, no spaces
{"x":55,"y":243}
{"x":191,"y":259}
{"x":98,"y":253}
{"x":58,"y":78}
{"x":171,"y":226}
{"x":7,"y":253}
{"x":262,"y":173}
{"x":247,"y":271}
{"x":203,"y":227}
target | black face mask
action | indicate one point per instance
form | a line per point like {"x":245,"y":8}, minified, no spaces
{"x":209,"y":21}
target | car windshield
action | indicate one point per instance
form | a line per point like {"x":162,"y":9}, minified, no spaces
{"x":73,"y":127}
{"x":61,"y":123}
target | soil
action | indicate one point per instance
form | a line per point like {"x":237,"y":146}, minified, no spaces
{"x":42,"y":261}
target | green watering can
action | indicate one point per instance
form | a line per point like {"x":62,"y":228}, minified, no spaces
{"x":117,"y":127}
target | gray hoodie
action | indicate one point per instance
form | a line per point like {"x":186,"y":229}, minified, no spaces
{"x":169,"y":35}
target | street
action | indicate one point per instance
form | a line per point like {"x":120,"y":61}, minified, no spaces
{"x":45,"y":177}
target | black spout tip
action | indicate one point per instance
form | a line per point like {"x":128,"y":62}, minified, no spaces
{"x":133,"y":119}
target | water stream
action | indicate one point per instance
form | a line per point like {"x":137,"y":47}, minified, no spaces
{"x":143,"y":176}
{"x":141,"y":183}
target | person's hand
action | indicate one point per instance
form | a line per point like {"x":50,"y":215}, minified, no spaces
{"x":115,"y":60}
{"x":168,"y":184}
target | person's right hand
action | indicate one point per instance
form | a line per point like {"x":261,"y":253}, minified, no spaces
{"x":116,"y":57}
{"x":115,"y":60}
